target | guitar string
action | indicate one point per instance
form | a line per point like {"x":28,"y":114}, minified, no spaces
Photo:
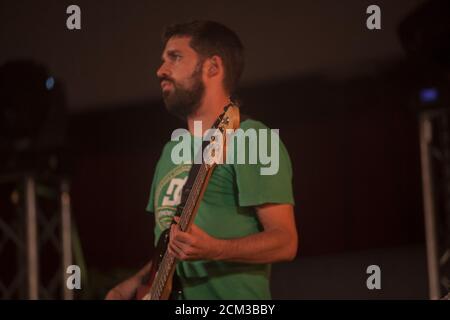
{"x":168,"y":258}
{"x":191,"y":200}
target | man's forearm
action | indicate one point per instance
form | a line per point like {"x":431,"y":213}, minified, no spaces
{"x":139,"y":277}
{"x":141,"y":274}
{"x":263,"y":247}
{"x":127,"y":289}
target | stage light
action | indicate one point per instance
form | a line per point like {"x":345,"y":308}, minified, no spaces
{"x":428,"y":95}
{"x":32,"y":116}
{"x":49,"y":83}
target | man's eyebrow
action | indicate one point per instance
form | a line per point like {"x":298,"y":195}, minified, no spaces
{"x":170,"y":53}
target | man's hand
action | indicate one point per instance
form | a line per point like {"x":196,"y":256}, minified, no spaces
{"x":195,"y":244}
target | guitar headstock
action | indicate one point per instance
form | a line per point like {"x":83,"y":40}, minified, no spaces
{"x":230,"y":118}
{"x":228,"y":121}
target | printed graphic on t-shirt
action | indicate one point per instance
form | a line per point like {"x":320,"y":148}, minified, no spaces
{"x":168,"y":195}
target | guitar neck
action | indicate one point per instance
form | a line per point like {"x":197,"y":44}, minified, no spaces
{"x":190,"y":201}
{"x":191,"y":196}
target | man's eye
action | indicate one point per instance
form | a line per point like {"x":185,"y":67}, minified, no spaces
{"x":174,"y":56}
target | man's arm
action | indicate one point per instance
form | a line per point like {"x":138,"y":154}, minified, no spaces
{"x":277,"y":242}
{"x":126,"y":290}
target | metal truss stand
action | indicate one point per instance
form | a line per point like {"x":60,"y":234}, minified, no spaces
{"x":35,"y":237}
{"x":435,"y":158}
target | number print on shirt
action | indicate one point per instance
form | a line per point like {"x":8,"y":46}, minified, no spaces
{"x":173,"y":194}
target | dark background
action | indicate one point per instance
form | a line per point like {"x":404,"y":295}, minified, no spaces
{"x":344,"y":98}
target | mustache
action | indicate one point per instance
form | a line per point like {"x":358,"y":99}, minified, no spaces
{"x":165,"y":78}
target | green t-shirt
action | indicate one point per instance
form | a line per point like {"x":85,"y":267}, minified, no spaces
{"x":226,"y":211}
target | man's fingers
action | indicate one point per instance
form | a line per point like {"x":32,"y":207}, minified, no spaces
{"x":181,"y":246}
{"x":182,"y":236}
{"x":174,"y":251}
{"x":178,"y":252}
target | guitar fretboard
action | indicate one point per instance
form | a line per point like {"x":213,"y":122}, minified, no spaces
{"x":188,"y":201}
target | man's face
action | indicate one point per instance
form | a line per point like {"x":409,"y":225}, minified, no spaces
{"x":181,"y":77}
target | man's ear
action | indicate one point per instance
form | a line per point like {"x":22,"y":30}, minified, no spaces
{"x":214,"y":66}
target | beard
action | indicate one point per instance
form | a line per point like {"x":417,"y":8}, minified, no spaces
{"x":182,"y":101}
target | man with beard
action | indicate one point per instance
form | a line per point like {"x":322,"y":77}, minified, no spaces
{"x":245,"y":220}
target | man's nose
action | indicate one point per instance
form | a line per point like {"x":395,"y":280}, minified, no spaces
{"x":163,"y":71}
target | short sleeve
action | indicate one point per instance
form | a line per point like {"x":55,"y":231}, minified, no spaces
{"x":256,"y":185}
{"x":151,"y":201}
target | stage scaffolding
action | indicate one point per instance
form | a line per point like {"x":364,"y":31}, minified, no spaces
{"x":35,"y":237}
{"x":435,"y":157}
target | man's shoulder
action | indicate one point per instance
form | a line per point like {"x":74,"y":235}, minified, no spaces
{"x":250,"y":123}
{"x":165,"y":153}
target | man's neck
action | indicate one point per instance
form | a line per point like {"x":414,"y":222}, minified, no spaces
{"x":208,"y":112}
